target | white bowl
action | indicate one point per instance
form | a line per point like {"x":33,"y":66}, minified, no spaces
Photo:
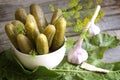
{"x":50,"y":60}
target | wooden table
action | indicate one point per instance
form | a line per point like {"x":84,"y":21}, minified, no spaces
{"x":110,"y":23}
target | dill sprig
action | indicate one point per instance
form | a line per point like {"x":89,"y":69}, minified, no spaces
{"x":33,"y":52}
{"x":20,"y":30}
{"x":79,"y":13}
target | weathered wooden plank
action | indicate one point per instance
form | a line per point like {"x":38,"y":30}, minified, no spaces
{"x":23,"y":2}
{"x":108,"y":2}
{"x":112,"y":55}
{"x":110,"y":23}
{"x":4,"y":42}
{"x":7,"y":10}
{"x":112,"y":10}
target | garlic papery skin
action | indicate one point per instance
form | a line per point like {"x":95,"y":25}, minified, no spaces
{"x":77,"y":55}
{"x":93,"y":29}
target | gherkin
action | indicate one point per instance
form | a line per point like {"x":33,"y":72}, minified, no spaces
{"x":49,"y":31}
{"x":58,"y":39}
{"x":21,"y":15}
{"x":42,"y":44}
{"x":9,"y":29}
{"x":37,"y":12}
{"x":25,"y":45}
{"x":31,"y":28}
{"x":56,"y":15}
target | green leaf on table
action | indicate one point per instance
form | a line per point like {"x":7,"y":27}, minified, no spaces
{"x":10,"y":69}
{"x":99,"y":63}
{"x":98,"y":44}
{"x":104,"y":40}
{"x":69,"y":71}
{"x":116,"y":66}
{"x":115,"y":75}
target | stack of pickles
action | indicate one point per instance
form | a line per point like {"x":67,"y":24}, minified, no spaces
{"x":31,"y":31}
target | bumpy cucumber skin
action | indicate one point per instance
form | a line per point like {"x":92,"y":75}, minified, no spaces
{"x":31,"y":28}
{"x":58,"y":39}
{"x":9,"y":29}
{"x":21,"y":15}
{"x":57,"y":13}
{"x":18,"y":24}
{"x":42,"y":44}
{"x":25,"y":45}
{"x":49,"y":31}
{"x":37,"y":12}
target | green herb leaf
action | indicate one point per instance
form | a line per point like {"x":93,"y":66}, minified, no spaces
{"x":73,"y":3}
{"x":98,"y":1}
{"x":52,"y":7}
{"x":80,"y":10}
{"x":79,"y":26}
{"x":104,"y":40}
{"x":98,"y":44}
{"x":33,"y":52}
{"x":10,"y":69}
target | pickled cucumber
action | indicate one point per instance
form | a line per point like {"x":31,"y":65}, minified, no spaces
{"x":49,"y":32}
{"x":57,"y":13}
{"x":42,"y":44}
{"x":21,"y":15}
{"x":37,"y":12}
{"x":25,"y":45}
{"x":58,"y":39}
{"x":31,"y":28}
{"x":19,"y":27}
{"x":9,"y":29}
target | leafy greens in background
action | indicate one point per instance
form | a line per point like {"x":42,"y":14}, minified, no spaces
{"x":12,"y":69}
{"x":79,"y":13}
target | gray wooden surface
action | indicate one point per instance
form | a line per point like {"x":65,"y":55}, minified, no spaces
{"x":110,"y":23}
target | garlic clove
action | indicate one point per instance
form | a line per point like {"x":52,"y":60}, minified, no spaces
{"x":90,"y":67}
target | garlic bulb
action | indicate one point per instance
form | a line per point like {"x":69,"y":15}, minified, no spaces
{"x":93,"y":29}
{"x":77,"y":55}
